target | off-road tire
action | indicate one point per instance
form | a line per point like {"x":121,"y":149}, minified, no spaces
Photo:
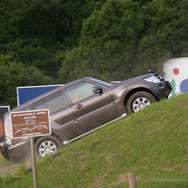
{"x":139,"y":100}
{"x":47,"y":145}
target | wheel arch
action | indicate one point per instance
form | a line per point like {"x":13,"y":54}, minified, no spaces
{"x":53,"y":144}
{"x":53,"y":134}
{"x":131,"y":92}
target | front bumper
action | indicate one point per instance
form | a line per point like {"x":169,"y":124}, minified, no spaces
{"x":161,"y":90}
{"x":165,"y":89}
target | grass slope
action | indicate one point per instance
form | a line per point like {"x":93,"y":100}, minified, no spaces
{"x":153,"y":143}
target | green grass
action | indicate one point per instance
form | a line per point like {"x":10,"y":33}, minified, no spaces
{"x":153,"y":143}
{"x":3,"y":161}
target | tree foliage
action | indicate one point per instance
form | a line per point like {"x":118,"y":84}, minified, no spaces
{"x":14,"y":74}
{"x":126,"y":38}
{"x":34,"y":31}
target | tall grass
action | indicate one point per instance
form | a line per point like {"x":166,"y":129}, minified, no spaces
{"x":152,"y":143}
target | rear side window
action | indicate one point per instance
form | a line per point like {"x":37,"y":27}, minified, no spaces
{"x":40,"y":104}
{"x":53,"y":102}
{"x":26,"y":108}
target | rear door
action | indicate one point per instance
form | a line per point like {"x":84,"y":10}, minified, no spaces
{"x":61,"y":115}
{"x":90,"y":109}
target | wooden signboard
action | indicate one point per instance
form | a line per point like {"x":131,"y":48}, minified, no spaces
{"x":30,"y":123}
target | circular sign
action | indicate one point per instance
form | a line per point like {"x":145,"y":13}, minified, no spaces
{"x":184,"y":86}
{"x":176,"y":71}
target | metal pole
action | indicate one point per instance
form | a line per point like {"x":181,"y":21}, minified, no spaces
{"x":33,"y":162}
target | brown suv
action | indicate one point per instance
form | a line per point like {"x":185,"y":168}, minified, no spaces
{"x":79,"y":107}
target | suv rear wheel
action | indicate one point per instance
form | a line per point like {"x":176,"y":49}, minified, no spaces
{"x":47,"y":145}
{"x":139,"y":100}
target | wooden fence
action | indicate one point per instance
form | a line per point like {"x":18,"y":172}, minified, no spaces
{"x":132,"y":181}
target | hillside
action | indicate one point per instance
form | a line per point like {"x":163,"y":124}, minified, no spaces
{"x":152,"y":143}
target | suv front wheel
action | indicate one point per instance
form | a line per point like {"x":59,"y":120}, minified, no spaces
{"x":47,"y":145}
{"x":139,"y":100}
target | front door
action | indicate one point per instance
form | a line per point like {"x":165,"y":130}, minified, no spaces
{"x":90,"y":109}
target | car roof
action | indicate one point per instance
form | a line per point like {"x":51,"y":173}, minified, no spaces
{"x":51,"y":92}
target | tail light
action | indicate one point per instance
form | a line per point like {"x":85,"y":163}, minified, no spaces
{"x":1,"y":128}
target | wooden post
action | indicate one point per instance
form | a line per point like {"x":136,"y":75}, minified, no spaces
{"x":132,"y":180}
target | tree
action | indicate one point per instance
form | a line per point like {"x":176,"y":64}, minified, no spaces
{"x":34,"y":31}
{"x":13,"y":74}
{"x":108,"y":39}
{"x":125,"y":38}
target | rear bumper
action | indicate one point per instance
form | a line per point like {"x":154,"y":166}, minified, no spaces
{"x":4,"y":148}
{"x":17,"y":152}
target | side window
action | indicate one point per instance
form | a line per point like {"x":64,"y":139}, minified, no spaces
{"x":79,"y":91}
{"x":26,"y":108}
{"x":53,"y":102}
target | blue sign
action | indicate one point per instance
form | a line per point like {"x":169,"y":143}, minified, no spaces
{"x":25,"y":94}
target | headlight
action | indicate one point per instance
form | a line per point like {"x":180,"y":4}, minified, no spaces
{"x":153,"y":79}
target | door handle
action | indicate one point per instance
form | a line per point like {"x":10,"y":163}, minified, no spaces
{"x":79,"y":106}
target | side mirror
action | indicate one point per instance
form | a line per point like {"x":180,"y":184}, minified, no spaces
{"x":97,"y":89}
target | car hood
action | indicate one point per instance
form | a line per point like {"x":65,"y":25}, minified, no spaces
{"x":133,"y":80}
